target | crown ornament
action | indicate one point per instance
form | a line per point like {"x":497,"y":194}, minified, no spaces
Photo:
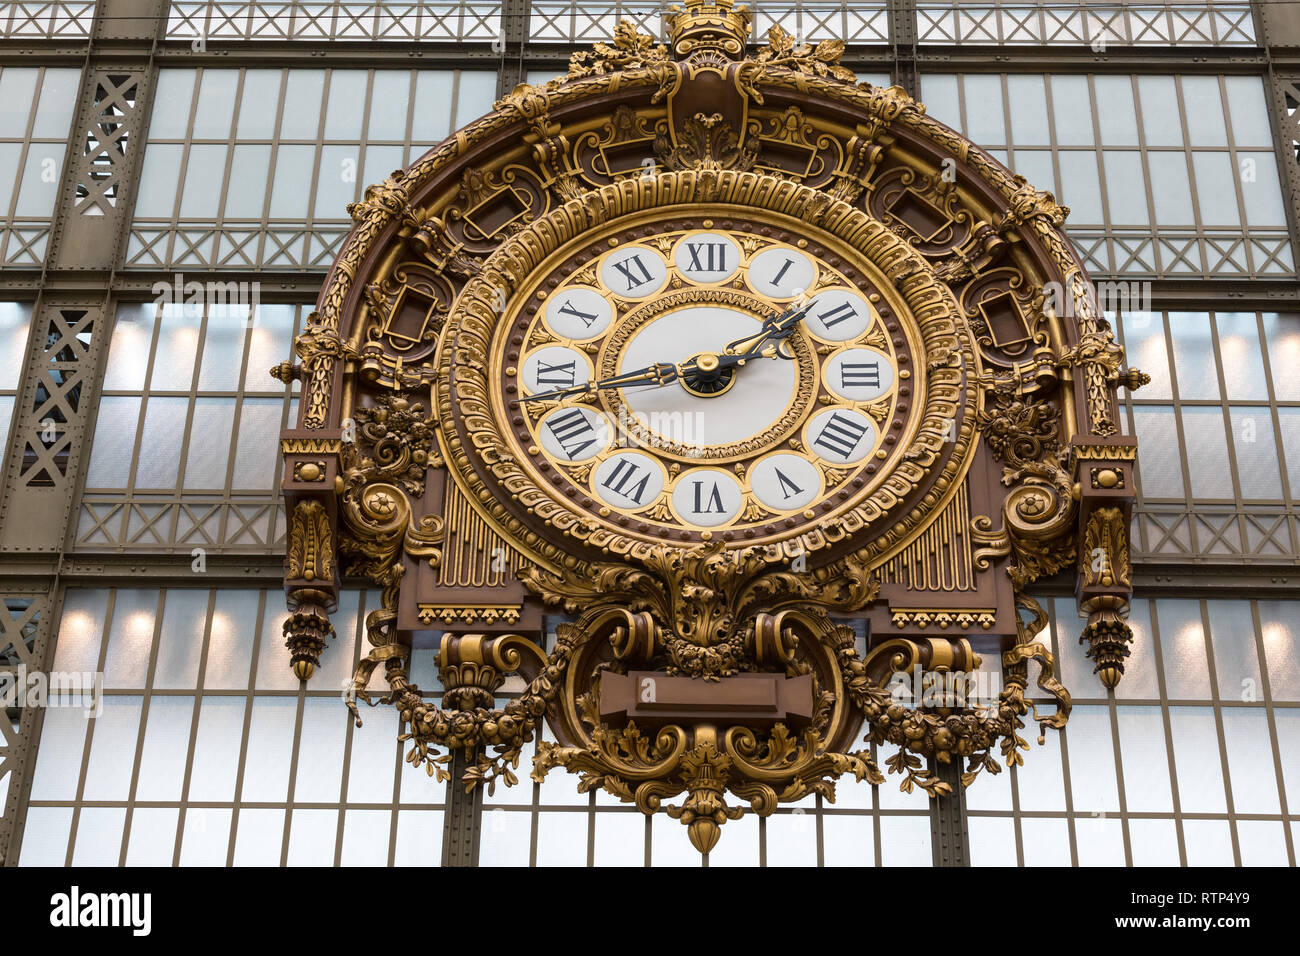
{"x":709,"y":25}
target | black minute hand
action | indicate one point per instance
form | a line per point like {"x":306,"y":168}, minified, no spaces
{"x":661,"y":373}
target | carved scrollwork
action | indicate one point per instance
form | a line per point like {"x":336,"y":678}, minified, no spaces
{"x":629,"y":49}
{"x":923,"y":209}
{"x":820,"y":59}
{"x":1023,"y":431}
{"x":624,"y":146}
{"x":705,"y":142}
{"x":702,"y":598}
{"x":473,"y":668}
{"x":310,"y":555}
{"x":399,"y":435}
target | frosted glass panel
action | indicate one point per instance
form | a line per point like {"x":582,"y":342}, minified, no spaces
{"x":209,"y":451}
{"x":737,"y":848}
{"x":1248,"y":742}
{"x":1280,"y":630}
{"x":365,"y":837}
{"x":1125,"y":188}
{"x":373,"y":767}
{"x":206,"y":837}
{"x":153,"y":836}
{"x":985,"y":122}
{"x":1160,"y":470}
{"x":63,"y":741}
{"x":130,"y":640}
{"x":112,"y":749}
{"x":1205,"y":125}
{"x":1154,"y":842}
{"x":1239,"y":346}
{"x":221,"y":731}
{"x":505,"y":837}
{"x":312,"y":837}
{"x":848,"y":840}
{"x":1207,"y":458}
{"x":419,"y":838}
{"x":1196,"y":754}
{"x":259,"y":838}
{"x":45,"y":836}
{"x":562,"y":839}
{"x":171,"y":113}
{"x":1100,"y":841}
{"x":180,"y":643}
{"x":1092,"y":760}
{"x":1209,"y":842}
{"x":230,"y":643}
{"x":1027,"y":97}
{"x":110,"y":459}
{"x":390,"y":98}
{"x":791,"y":839}
{"x":160,"y":443}
{"x":99,"y":836}
{"x":1146,"y":761}
{"x":166,"y":747}
{"x":256,"y":460}
{"x":1182,"y":647}
{"x":270,"y":746}
{"x":320,"y":754}
{"x":905,"y":841}
{"x":620,"y":839}
{"x":1046,"y":841}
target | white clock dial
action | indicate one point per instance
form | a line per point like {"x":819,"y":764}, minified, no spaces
{"x":785,"y":482}
{"x":707,"y":257}
{"x":634,"y":272}
{"x":860,"y":375}
{"x":575,"y":433}
{"x":578,"y":314}
{"x":707,"y":497}
{"x":838,"y":315}
{"x":781,"y":273}
{"x":628,"y":480}
{"x":760,"y":395}
{"x":841,"y":436}
{"x":555,"y":367}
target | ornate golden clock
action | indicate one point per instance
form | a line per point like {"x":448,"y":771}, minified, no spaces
{"x":690,"y":379}
{"x":700,"y":357}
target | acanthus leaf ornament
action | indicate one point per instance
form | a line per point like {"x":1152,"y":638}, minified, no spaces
{"x":739,"y":604}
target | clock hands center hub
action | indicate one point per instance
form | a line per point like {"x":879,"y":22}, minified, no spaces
{"x":705,"y":375}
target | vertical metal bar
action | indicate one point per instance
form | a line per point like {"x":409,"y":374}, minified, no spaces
{"x":462,"y":821}
{"x":949,"y":840}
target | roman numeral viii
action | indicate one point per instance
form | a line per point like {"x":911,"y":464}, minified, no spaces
{"x":840,"y":435}
{"x":572,"y":430}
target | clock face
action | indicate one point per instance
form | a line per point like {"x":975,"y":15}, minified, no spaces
{"x":725,"y":430}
